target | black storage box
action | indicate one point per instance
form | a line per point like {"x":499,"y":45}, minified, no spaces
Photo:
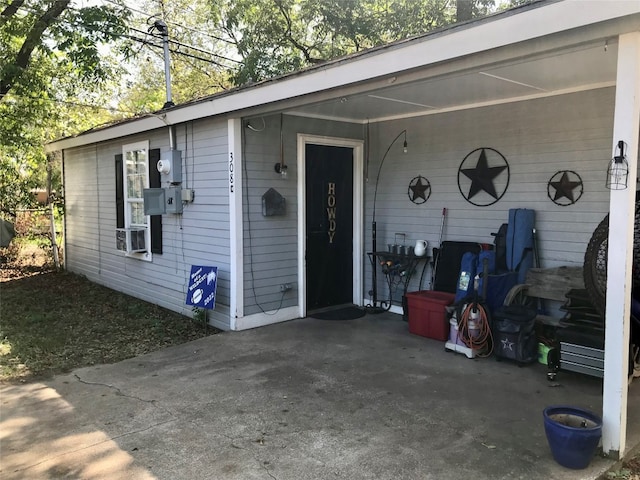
{"x":447,"y":260}
{"x":514,"y":335}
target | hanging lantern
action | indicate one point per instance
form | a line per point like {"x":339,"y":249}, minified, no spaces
{"x":618,"y":171}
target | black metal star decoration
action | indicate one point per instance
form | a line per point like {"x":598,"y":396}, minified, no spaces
{"x":564,"y":183}
{"x":483,"y":176}
{"x":419,"y":190}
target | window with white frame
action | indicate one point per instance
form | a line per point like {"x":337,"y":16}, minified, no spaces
{"x":135,"y":165}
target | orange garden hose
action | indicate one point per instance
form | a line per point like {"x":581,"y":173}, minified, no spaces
{"x":482,"y":340}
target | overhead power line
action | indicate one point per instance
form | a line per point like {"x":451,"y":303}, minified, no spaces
{"x":145,"y":42}
{"x":186,"y":45}
{"x":67,"y":102}
{"x":173,"y":50}
{"x":169,"y":22}
{"x":175,"y":42}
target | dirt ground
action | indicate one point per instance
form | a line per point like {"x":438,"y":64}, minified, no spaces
{"x":23,"y":260}
{"x":53,"y":322}
{"x":630,"y":470}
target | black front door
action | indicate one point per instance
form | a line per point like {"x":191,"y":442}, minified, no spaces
{"x":329,"y":229}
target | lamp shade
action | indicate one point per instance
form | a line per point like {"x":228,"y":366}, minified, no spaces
{"x":618,"y":170}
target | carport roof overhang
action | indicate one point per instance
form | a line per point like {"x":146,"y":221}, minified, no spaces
{"x":549,"y":48}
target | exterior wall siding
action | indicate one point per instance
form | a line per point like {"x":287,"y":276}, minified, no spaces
{"x":538,"y":138}
{"x":271,"y":243}
{"x":200,"y":236}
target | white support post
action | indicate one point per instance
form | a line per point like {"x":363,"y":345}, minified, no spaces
{"x":626,"y":126}
{"x":236,"y":291}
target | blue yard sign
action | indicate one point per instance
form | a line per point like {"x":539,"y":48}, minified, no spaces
{"x":202,"y":287}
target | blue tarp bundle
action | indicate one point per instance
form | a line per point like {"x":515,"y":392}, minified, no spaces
{"x":520,"y":241}
{"x":498,"y":284}
{"x":519,"y":258}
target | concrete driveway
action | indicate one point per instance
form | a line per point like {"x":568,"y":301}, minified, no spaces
{"x":307,"y":399}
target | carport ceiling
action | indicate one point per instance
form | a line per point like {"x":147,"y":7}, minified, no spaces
{"x":581,"y":68}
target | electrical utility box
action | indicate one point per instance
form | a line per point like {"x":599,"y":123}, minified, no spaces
{"x":159,"y":201}
{"x":173,"y":199}
{"x":170,"y":167}
{"x":155,"y":202}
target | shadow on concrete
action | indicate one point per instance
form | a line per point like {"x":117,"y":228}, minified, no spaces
{"x":305,"y":399}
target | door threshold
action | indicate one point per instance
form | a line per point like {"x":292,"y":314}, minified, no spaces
{"x":330,"y":308}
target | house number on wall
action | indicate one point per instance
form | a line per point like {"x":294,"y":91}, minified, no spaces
{"x":331,"y":210}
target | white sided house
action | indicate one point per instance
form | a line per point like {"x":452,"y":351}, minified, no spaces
{"x":549,"y":88}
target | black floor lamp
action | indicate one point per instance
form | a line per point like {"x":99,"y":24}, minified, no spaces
{"x":374,"y":300}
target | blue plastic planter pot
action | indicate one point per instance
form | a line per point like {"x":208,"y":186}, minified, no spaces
{"x":573,"y":435}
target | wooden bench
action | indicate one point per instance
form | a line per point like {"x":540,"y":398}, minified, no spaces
{"x":546,"y":284}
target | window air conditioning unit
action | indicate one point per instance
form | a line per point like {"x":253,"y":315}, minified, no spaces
{"x":131,"y":240}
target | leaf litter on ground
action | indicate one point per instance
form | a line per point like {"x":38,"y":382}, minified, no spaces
{"x":53,"y":322}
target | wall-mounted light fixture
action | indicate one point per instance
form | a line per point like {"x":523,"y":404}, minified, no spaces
{"x":618,"y":171}
{"x":281,"y":168}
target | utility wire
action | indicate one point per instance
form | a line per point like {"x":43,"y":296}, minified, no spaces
{"x":176,"y":42}
{"x":173,"y":50}
{"x":168,"y":22}
{"x":67,"y":102}
{"x":146,"y":42}
{"x":29,"y":9}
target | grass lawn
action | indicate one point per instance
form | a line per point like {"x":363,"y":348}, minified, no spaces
{"x":54,"y":322}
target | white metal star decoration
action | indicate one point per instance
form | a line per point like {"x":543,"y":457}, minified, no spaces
{"x":507,"y":344}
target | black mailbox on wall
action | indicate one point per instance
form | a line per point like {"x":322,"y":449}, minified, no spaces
{"x":273,"y":203}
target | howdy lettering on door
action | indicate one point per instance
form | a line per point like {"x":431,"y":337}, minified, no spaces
{"x":331,"y":210}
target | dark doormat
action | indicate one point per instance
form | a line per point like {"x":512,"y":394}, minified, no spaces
{"x":344,"y":313}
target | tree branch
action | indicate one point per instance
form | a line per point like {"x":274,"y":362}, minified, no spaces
{"x":32,"y":40}
{"x":10,"y":10}
{"x":464,"y":10}
{"x":289,"y":36}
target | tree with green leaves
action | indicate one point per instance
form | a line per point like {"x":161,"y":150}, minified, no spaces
{"x":273,"y":37}
{"x":199,"y":62}
{"x":252,"y":40}
{"x":53,"y":69}
{"x":51,"y":66}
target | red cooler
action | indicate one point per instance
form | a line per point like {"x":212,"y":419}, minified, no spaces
{"x":427,"y":314}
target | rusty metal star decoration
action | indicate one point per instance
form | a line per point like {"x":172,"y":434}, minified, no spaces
{"x":564,"y":187}
{"x":482,"y":176}
{"x":418,"y":190}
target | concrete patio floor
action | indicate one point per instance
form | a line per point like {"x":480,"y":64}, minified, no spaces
{"x":306,"y":399}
